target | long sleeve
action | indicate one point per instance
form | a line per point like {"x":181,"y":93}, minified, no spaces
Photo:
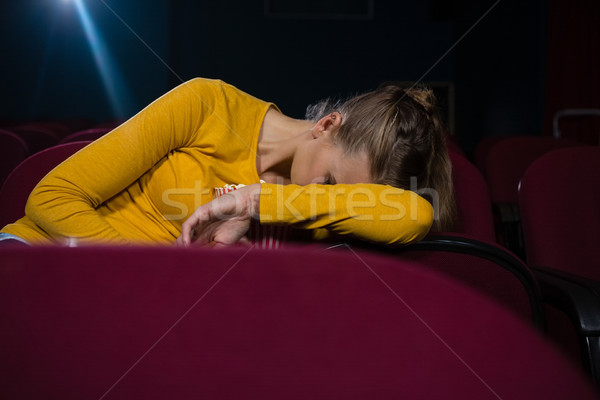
{"x":64,"y":204}
{"x":376,"y":213}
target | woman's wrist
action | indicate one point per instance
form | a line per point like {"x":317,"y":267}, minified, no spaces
{"x":253,"y":199}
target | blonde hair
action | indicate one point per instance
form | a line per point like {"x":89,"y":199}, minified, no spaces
{"x":400,"y":128}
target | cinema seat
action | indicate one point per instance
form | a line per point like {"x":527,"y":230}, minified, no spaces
{"x":474,"y":208}
{"x":13,"y":150}
{"x":505,"y":165}
{"x":162,"y":322}
{"x":22,"y":180}
{"x":485,"y":267}
{"x":559,"y":198}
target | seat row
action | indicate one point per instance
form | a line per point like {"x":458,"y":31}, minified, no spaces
{"x":560,"y":216}
{"x":443,"y":318}
{"x":544,"y":194}
{"x":503,"y":162}
{"x":19,"y":139}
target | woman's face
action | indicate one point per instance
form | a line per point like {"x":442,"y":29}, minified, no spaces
{"x":321,"y":161}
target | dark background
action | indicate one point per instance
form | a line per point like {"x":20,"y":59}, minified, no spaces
{"x":290,"y":52}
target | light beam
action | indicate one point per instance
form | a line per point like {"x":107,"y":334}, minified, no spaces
{"x":113,"y":82}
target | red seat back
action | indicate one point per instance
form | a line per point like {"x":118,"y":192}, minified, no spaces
{"x":509,"y":158}
{"x":560,"y":211}
{"x":21,"y":181}
{"x":187,"y":323}
{"x":13,"y":150}
{"x":473,"y":203}
{"x":484,"y":266}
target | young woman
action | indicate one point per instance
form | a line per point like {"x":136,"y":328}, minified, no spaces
{"x":350,"y":169}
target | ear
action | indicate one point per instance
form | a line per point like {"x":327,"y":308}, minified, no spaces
{"x":327,"y":125}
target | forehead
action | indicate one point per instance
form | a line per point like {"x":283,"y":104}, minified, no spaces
{"x":350,"y":168}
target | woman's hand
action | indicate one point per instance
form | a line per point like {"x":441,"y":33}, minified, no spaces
{"x":223,"y":221}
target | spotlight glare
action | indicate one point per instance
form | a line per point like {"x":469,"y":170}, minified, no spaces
{"x":112,"y":79}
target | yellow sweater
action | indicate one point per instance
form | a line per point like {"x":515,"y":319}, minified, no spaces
{"x":141,"y":181}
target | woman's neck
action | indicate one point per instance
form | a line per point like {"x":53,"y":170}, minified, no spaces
{"x":279,"y":138}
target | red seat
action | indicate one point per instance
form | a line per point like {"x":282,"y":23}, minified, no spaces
{"x":22,"y":180}
{"x":505,"y":165}
{"x":484,"y":266}
{"x":152,"y":323}
{"x":509,"y":158}
{"x":473,"y":203}
{"x":559,"y":203}
{"x":86,"y":134}
{"x":13,"y":150}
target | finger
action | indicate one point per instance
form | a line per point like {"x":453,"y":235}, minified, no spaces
{"x":183,"y":238}
{"x":192,"y":226}
{"x":186,"y":231}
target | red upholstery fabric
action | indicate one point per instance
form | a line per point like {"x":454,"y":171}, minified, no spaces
{"x":123,"y":323}
{"x":86,"y":134}
{"x":485,"y":267}
{"x":13,"y":150}
{"x":474,"y":207}
{"x":559,"y":201}
{"x":509,"y":158}
{"x":22,"y":180}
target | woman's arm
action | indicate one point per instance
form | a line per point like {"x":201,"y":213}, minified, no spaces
{"x":375,"y":213}
{"x":64,"y":203}
{"x":370,"y":212}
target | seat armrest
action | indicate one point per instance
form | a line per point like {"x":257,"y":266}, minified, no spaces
{"x":576,"y":296}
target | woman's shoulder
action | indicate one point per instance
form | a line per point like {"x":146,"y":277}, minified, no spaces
{"x":201,"y":87}
{"x":209,"y":83}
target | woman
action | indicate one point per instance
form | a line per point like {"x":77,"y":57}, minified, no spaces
{"x":142,"y":181}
